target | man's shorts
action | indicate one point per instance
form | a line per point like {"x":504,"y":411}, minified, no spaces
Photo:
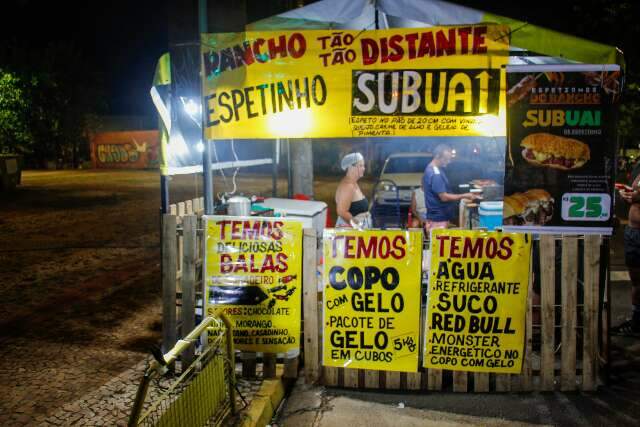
{"x":632,"y":247}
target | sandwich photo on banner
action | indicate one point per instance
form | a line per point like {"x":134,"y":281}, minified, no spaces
{"x":561,"y":148}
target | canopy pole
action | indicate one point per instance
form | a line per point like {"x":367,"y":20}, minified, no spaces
{"x":207,"y":175}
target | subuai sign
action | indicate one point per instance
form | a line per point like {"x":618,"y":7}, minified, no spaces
{"x":478,"y":285}
{"x":371,"y":297}
{"x":253,"y":274}
{"x":444,"y":81}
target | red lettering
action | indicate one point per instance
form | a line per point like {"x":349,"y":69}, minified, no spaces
{"x":454,"y":251}
{"x":281,"y":259}
{"x":243,"y":54}
{"x":334,"y":246}
{"x":398,"y":51}
{"x":279,"y":49}
{"x":323,"y":40}
{"x":464,"y":39}
{"x":442,"y":239}
{"x":427,"y":45}
{"x":299,"y":50}
{"x":370,"y":51}
{"x":223,"y":226}
{"x":491,"y":248}
{"x":473,"y":248}
{"x":383,"y":247}
{"x":505,"y":248}
{"x":277,"y":233}
{"x":226,"y":265}
{"x":256,"y":51}
{"x":267,"y":265}
{"x":367,"y":250}
{"x":446,"y":45}
{"x":399,"y":244}
{"x":478,"y":40}
{"x":411,"y":41}
{"x":348,"y":246}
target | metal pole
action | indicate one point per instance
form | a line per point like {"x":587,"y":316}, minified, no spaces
{"x":274,"y":169}
{"x":164,"y":193}
{"x":289,"y":172}
{"x":207,"y":176}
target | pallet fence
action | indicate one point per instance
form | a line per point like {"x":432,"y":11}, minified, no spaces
{"x":182,"y":287}
{"x":566,"y":333}
{"x":565,"y":330}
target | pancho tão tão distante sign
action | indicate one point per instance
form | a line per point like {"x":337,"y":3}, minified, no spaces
{"x":438,"y":81}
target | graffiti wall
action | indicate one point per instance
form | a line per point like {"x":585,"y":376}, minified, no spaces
{"x":126,"y":150}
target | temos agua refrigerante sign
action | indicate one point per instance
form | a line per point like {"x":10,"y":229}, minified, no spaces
{"x":371,"y":289}
{"x":478,"y":285}
{"x":253,"y":275}
{"x":397,"y":82}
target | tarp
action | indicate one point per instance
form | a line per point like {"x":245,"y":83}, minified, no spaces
{"x":540,"y":45}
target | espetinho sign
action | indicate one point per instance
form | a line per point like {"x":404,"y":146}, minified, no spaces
{"x":440,"y":81}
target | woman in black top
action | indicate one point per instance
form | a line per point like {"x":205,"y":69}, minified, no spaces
{"x":351,"y":205}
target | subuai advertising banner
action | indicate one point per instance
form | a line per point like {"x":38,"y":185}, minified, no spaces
{"x":371,"y":298}
{"x":561,"y":148}
{"x":478,"y":285}
{"x":253,"y":274}
{"x":438,"y":81}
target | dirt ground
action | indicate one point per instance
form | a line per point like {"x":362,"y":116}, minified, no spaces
{"x":80,"y":280}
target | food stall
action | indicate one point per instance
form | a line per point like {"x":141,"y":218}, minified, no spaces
{"x":438,"y":82}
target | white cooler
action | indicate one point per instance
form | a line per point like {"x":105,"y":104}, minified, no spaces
{"x":311,"y":213}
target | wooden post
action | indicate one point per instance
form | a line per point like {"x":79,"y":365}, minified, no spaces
{"x":547,"y":311}
{"x":248,"y":364}
{"x":291,"y":367}
{"x":460,"y":379}
{"x":393,"y":380}
{"x":480,"y":382}
{"x":414,"y":380}
{"x":268,"y":365}
{"x":351,"y":378}
{"x":434,"y":381}
{"x":169,"y":268}
{"x":526,"y":380}
{"x":189,"y":224}
{"x":590,"y":312}
{"x":371,"y":378}
{"x":569,"y":312}
{"x":310,"y":306}
{"x":503,"y":382}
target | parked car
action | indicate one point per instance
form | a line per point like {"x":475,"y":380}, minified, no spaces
{"x":391,"y":199}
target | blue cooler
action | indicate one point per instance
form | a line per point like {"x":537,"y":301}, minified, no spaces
{"x":490,"y":215}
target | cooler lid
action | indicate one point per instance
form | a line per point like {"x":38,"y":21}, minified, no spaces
{"x":491,"y":206}
{"x":295,"y":207}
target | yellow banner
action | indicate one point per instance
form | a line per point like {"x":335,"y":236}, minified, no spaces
{"x":253,"y":274}
{"x":438,"y":81}
{"x":371,"y":284}
{"x":478,"y":284}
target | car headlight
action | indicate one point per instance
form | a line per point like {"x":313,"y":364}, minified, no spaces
{"x":388,"y":187}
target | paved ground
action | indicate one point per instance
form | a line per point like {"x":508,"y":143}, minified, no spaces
{"x":79,"y":307}
{"x":616,"y":403}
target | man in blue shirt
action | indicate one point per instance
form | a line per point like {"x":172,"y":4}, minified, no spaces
{"x":438,"y":197}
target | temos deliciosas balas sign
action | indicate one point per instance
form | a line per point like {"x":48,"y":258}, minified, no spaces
{"x":253,"y":275}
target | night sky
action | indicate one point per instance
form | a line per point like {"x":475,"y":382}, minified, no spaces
{"x":123,"y":39}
